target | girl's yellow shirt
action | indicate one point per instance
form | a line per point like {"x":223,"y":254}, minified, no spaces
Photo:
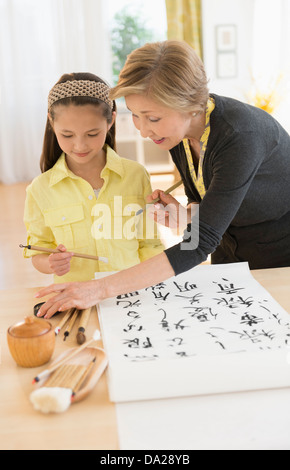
{"x":62,"y":208}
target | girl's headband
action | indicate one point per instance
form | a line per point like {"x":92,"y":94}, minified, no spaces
{"x":73,"y":88}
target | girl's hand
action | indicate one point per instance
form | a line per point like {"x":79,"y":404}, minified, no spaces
{"x":167,"y":211}
{"x":59,"y":263}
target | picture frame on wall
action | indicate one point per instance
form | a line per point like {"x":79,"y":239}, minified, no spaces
{"x":226,"y":37}
{"x":226,"y":51}
{"x":226,"y":65}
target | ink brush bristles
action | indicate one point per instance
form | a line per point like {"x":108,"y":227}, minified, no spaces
{"x":62,"y":387}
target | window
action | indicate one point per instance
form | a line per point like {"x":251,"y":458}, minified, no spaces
{"x":132,"y":24}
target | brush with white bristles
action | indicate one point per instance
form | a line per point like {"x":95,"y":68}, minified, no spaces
{"x":63,"y":382}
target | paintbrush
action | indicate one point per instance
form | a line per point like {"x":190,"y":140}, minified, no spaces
{"x":63,"y":321}
{"x":77,"y":255}
{"x":83,"y":377}
{"x":167,"y":191}
{"x":61,"y":388}
{"x":85,"y":315}
{"x":96,"y":337}
{"x":71,"y":323}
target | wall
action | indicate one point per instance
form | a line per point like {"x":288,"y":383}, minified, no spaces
{"x":262,"y":48}
{"x":228,"y":12}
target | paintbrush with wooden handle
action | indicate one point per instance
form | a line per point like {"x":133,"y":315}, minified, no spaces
{"x":77,"y":255}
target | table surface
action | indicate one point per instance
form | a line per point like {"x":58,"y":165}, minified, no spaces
{"x":87,"y":425}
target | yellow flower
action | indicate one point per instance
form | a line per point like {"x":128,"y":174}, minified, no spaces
{"x":267,"y":98}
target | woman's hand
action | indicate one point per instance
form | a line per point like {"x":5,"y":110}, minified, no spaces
{"x":79,"y":295}
{"x":85,"y":294}
{"x":59,"y":263}
{"x":167,"y":211}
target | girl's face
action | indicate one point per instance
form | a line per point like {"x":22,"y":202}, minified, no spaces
{"x":81,"y":132}
{"x":165,"y":126}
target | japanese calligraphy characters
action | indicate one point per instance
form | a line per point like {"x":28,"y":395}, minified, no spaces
{"x":208,"y":312}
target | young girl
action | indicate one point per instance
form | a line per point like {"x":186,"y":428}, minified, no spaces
{"x":86,"y":197}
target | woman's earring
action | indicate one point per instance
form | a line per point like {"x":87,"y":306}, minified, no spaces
{"x":194,"y":114}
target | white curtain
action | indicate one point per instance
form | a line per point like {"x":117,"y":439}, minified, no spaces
{"x":39,"y":41}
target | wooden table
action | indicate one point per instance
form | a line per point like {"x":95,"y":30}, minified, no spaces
{"x":87,"y":425}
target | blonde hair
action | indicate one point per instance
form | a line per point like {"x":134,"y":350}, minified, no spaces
{"x":169,"y":72}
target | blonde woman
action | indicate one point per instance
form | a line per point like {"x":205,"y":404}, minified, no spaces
{"x":234,"y":160}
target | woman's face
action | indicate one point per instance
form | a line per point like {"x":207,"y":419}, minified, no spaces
{"x":164,"y":126}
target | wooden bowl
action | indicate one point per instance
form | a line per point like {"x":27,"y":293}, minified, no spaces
{"x":31,"y":343}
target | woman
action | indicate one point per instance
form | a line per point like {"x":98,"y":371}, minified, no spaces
{"x":234,"y":160}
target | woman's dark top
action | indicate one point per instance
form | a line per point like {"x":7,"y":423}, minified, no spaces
{"x":245,"y":214}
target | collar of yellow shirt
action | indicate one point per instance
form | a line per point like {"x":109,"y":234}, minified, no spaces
{"x":61,"y":170}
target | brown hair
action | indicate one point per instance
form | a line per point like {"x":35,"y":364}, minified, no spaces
{"x":51,"y":150}
{"x":169,"y":72}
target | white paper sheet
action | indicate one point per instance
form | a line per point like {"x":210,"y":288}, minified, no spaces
{"x":213,"y":329}
{"x":257,"y":420}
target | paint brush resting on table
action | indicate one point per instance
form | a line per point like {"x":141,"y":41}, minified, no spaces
{"x":77,"y":255}
{"x":71,"y":323}
{"x":64,"y":320}
{"x":61,"y":387}
{"x":85,"y":315}
{"x":74,"y":352}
